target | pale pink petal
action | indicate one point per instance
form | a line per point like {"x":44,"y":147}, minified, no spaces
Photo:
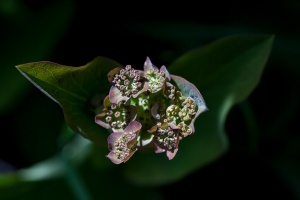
{"x":133,"y":127}
{"x":115,"y":95}
{"x":154,"y":111}
{"x":173,"y":126}
{"x":145,"y":88}
{"x":99,"y":120}
{"x":112,"y":156}
{"x":157,"y":148}
{"x":192,"y":127}
{"x":167,"y":74}
{"x":112,"y":138}
{"x":171,"y":154}
{"x":148,"y":65}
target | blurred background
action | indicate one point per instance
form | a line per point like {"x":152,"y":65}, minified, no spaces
{"x":263,"y":159}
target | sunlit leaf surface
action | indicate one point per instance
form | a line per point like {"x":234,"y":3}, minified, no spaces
{"x":78,"y":90}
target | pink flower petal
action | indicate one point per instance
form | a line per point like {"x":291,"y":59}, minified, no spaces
{"x":133,"y":127}
{"x":112,"y":138}
{"x":158,"y":149}
{"x":145,"y":88}
{"x":99,"y":120}
{"x":167,"y":74}
{"x":173,"y":126}
{"x":171,"y":154}
{"x":148,"y":65}
{"x":154,"y":111}
{"x":112,"y":156}
{"x":115,"y":95}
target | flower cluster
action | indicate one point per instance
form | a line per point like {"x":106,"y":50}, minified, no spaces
{"x":148,"y":107}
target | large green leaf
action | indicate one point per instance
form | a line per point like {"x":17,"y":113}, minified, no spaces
{"x":226,"y":72}
{"x":75,"y":89}
{"x":25,"y":29}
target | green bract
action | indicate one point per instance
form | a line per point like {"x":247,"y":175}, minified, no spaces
{"x":160,"y":108}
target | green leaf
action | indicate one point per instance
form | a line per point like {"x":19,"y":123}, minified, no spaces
{"x":27,"y":39}
{"x":226,"y":72}
{"x":76,"y":90}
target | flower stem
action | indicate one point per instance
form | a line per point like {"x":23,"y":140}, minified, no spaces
{"x":73,"y":178}
{"x":74,"y":181}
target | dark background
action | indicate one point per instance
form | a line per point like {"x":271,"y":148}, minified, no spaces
{"x":264,"y":155}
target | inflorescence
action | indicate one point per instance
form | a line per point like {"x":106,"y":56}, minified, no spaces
{"x":147,"y":107}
